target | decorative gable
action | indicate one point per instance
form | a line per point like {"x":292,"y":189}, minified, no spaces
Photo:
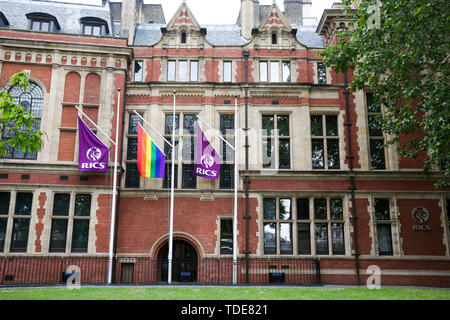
{"x":275,"y":19}
{"x":183,"y":19}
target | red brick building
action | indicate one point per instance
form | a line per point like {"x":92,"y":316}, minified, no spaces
{"x":316,"y":195}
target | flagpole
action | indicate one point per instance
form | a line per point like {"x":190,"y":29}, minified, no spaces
{"x":236,"y":143}
{"x":113,"y":210}
{"x":172,"y":187}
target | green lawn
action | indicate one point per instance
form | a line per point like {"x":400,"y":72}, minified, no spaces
{"x":222,"y":293}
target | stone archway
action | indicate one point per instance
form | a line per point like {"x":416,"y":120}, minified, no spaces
{"x":184,"y":261}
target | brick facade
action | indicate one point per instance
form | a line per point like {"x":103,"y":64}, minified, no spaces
{"x":87,"y":71}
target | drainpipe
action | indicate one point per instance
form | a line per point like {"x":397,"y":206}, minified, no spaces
{"x":352,"y":187}
{"x":246,"y":54}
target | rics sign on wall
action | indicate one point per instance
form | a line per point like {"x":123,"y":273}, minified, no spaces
{"x":421,"y":216}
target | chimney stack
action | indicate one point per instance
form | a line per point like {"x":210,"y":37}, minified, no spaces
{"x":247,"y":18}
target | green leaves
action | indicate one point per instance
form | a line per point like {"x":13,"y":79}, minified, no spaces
{"x":405,"y":62}
{"x":17,"y":123}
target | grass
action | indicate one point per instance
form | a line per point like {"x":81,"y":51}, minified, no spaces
{"x":221,"y":293}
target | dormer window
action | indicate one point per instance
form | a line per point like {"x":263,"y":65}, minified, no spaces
{"x":3,"y":21}
{"x":274,"y":38}
{"x":39,"y":21}
{"x":183,"y":37}
{"x":94,"y":26}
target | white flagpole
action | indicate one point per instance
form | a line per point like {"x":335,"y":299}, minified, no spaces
{"x":113,"y":207}
{"x":113,"y":210}
{"x":172,"y":187}
{"x":235,"y":244}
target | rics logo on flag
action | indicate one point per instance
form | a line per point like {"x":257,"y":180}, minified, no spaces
{"x":93,"y":154}
{"x":207,"y":161}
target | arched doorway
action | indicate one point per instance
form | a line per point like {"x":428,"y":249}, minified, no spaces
{"x":184,"y":262}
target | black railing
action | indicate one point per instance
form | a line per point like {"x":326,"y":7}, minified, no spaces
{"x":33,"y":270}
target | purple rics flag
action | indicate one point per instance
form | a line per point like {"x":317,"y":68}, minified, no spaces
{"x":92,"y":153}
{"x":207,"y":161}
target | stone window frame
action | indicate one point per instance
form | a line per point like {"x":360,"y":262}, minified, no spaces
{"x":325,"y":137}
{"x":11,"y":216}
{"x":176,"y":72}
{"x":370,"y":138}
{"x":181,"y":161}
{"x":71,"y":218}
{"x":268,"y":69}
{"x":128,"y":136}
{"x":276,"y":140}
{"x":394,"y":222}
{"x":311,"y":222}
{"x":231,"y":139}
{"x":38,"y":101}
{"x":139,"y":72}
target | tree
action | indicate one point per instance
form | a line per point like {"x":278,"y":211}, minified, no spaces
{"x":399,"y":49}
{"x":17,"y":121}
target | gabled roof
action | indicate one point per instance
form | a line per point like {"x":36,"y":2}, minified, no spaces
{"x":183,"y":17}
{"x":275,"y":17}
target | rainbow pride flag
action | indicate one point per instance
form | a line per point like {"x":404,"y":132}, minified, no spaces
{"x":150,"y":160}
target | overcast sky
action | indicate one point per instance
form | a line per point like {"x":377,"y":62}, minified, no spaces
{"x":216,"y":11}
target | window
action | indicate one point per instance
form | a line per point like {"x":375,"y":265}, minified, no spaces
{"x":138,"y":70}
{"x":321,"y":73}
{"x":32,"y":101}
{"x":183,"y":37}
{"x":171,"y":69}
{"x":376,"y":139}
{"x":187,"y":70}
{"x":94,"y":26}
{"x":274,"y":38}
{"x":132,"y":177}
{"x":38,"y":21}
{"x":77,"y":230}
{"x":278,"y":70}
{"x":227,"y":166}
{"x":194,"y":71}
{"x":263,"y":71}
{"x":276,"y":136}
{"x":325,"y":142}
{"x":383,"y":225}
{"x":227,"y":71}
{"x":328,"y":220}
{"x":21,"y":204}
{"x":226,"y":236}
{"x":185,"y":141}
{"x":278,"y":226}
{"x":286,"y":71}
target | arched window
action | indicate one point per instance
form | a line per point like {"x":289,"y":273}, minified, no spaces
{"x":39,"y":21}
{"x":183,"y":37}
{"x":94,"y":26}
{"x":274,"y":38}
{"x":32,"y":101}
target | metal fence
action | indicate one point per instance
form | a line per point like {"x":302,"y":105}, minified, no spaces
{"x":21,"y":270}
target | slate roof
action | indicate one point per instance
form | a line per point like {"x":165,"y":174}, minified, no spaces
{"x":307,"y":36}
{"x":67,"y":14}
{"x":225,"y":35}
{"x":148,"y":34}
